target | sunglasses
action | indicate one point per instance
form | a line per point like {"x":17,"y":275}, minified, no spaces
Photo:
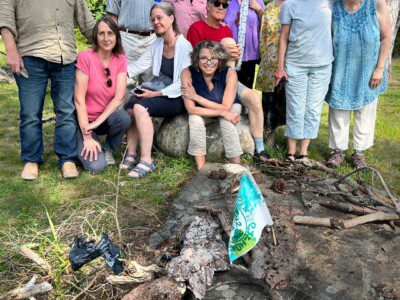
{"x":218,"y":4}
{"x":108,"y":73}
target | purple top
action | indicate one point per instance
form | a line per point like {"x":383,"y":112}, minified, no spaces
{"x":251,"y":49}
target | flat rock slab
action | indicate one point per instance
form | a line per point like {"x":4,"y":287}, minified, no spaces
{"x":358,"y":263}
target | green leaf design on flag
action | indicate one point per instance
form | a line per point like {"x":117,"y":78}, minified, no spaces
{"x":241,"y":242}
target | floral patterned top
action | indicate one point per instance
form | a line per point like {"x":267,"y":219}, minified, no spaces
{"x":269,"y":48}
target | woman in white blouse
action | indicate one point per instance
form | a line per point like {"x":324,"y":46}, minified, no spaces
{"x":167,"y":56}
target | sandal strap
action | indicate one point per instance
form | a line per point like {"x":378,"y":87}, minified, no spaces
{"x":140,"y":172}
{"x":149,"y":165}
{"x":131,"y":155}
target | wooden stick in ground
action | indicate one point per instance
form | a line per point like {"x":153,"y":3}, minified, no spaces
{"x":27,"y":291}
{"x":346,"y":207}
{"x":378,"y":216}
{"x":33,"y":256}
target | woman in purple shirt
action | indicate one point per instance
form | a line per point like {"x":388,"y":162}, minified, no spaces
{"x":251,"y":53}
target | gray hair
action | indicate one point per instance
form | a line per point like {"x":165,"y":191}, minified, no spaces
{"x":168,"y":10}
{"x":216,"y":48}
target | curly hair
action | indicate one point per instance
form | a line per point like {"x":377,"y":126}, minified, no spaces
{"x":118,"y":49}
{"x":216,"y":48}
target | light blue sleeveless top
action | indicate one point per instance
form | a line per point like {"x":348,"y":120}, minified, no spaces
{"x":356,"y":43}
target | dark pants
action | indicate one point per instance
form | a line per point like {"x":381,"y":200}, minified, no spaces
{"x":32,"y":92}
{"x":159,"y":107}
{"x":246,"y":73}
{"x":114,"y":127}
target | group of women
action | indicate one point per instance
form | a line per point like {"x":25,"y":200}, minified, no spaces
{"x":295,"y":46}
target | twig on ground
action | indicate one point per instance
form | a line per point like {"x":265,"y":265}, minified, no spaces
{"x":347,"y":207}
{"x":90,"y":284}
{"x":29,"y":290}
{"x":32,"y":255}
{"x":48,"y":119}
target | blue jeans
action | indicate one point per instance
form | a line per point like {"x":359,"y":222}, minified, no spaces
{"x":32,"y":92}
{"x":115,"y":127}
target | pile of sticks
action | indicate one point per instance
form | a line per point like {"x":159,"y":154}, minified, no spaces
{"x":384,"y":207}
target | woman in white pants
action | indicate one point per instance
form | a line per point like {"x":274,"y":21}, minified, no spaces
{"x":209,"y":91}
{"x":361,"y":39}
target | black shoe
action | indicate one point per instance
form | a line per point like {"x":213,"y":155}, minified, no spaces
{"x":261,"y":157}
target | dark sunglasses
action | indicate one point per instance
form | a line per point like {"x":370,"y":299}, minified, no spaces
{"x":218,"y":4}
{"x":108,"y":73}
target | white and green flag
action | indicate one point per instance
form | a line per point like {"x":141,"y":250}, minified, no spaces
{"x":250,"y":217}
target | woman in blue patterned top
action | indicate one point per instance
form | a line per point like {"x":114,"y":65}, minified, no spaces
{"x":209,"y":91}
{"x":361,"y":41}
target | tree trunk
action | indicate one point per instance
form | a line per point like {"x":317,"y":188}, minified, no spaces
{"x":394,"y":8}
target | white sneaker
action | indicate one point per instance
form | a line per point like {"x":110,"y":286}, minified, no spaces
{"x":110,"y":160}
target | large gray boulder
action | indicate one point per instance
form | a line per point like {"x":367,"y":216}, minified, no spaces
{"x":173,"y":138}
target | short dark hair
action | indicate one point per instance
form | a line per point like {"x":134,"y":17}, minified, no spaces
{"x":118,"y":49}
{"x":214,"y":47}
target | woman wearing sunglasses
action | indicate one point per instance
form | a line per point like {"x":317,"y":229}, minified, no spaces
{"x":209,"y":91}
{"x":167,"y":57}
{"x":100,"y":85}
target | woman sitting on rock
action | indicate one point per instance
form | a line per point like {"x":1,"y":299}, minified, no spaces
{"x":100,"y":85}
{"x":167,"y":56}
{"x":209,"y":91}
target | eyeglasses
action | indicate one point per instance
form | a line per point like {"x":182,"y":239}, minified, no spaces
{"x":108,"y":73}
{"x":212,"y":60}
{"x":218,"y":4}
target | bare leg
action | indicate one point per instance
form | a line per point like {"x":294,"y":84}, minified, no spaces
{"x":226,"y":42}
{"x":200,"y":161}
{"x":132,"y":136}
{"x":292,"y":146}
{"x":252,"y":100}
{"x":235,"y":160}
{"x":304,"y":146}
{"x":145,"y":130}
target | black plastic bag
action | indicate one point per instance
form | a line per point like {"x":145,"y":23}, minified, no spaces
{"x":83,"y":251}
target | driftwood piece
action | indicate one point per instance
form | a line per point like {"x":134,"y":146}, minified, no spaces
{"x":378,"y":216}
{"x":344,"y":224}
{"x":135,"y":273}
{"x":162,"y":288}
{"x":346,"y":207}
{"x":315,"y":221}
{"x":29,"y":290}
{"x":204,"y":252}
{"x":32,"y":255}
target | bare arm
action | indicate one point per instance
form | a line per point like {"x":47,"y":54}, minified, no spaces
{"x":283,"y":42}
{"x":120,"y":90}
{"x":384,"y":50}
{"x":188,"y":92}
{"x":13,"y":59}
{"x":90,"y":146}
{"x":254,"y":5}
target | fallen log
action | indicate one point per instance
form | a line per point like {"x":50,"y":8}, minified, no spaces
{"x":29,"y":290}
{"x":346,"y":207}
{"x":220,"y":215}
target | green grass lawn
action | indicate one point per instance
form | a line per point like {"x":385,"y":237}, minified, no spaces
{"x":84,"y":205}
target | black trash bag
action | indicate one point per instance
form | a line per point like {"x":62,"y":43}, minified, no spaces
{"x":111,"y":254}
{"x":83,"y":252}
{"x":274,"y":107}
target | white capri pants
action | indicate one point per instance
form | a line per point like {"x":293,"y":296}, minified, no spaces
{"x":230,"y":136}
{"x":306,"y":89}
{"x":364,"y":127}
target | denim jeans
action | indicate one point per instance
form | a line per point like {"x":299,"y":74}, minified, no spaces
{"x":115,"y":127}
{"x":32,"y":92}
